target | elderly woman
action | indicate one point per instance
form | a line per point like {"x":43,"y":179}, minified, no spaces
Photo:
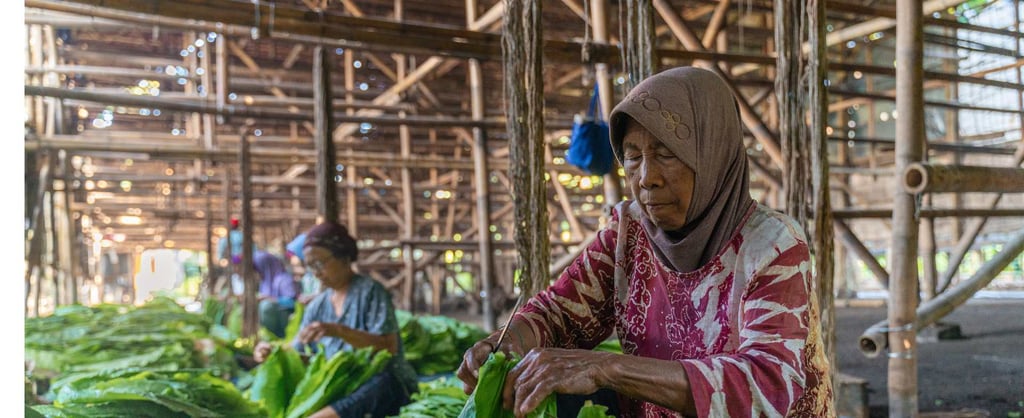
{"x":354,"y":311}
{"x":710,"y":293}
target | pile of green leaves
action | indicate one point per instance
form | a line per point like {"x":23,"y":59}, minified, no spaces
{"x":160,"y":335}
{"x":438,"y":398}
{"x":435,"y":344}
{"x":138,"y":393}
{"x":287,"y":388}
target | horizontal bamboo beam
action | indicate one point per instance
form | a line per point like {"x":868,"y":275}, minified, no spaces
{"x":927,"y":213}
{"x":874,"y":339}
{"x":206,"y":107}
{"x":932,"y":145}
{"x":934,"y":178}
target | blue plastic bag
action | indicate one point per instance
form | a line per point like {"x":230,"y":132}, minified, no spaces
{"x":589,"y":146}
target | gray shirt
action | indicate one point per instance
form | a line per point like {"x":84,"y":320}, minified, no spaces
{"x":367,"y":308}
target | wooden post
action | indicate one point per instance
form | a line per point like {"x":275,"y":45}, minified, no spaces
{"x":481,"y":174}
{"x":902,"y":375}
{"x":250,"y":306}
{"x":408,"y":217}
{"x":327,"y":198}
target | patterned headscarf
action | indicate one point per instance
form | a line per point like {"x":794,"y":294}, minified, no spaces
{"x":335,"y":238}
{"x":693,"y":113}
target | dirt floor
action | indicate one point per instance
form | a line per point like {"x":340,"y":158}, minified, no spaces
{"x":980,"y":375}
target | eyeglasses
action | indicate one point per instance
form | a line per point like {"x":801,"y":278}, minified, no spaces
{"x":316,"y":265}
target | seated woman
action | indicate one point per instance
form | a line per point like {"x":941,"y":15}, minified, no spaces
{"x":353,"y":311}
{"x":277,"y":292}
{"x":711,"y":294}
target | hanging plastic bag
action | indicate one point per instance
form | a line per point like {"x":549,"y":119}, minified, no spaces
{"x":589,"y":146}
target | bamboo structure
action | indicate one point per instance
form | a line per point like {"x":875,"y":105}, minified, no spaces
{"x":903,"y":286}
{"x":418,"y":125}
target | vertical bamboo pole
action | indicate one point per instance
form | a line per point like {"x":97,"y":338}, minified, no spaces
{"x":599,"y":26}
{"x":250,"y":306}
{"x":350,"y":172}
{"x":226,"y":196}
{"x":902,"y":375}
{"x":223,"y":88}
{"x":327,"y":197}
{"x":823,"y":239}
{"x":408,"y":229}
{"x":51,"y":229}
{"x":929,"y":276}
{"x":211,"y":278}
{"x":70,"y":236}
{"x":480,"y":179}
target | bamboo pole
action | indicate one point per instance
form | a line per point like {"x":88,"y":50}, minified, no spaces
{"x":481,"y":174}
{"x":903,"y":288}
{"x":70,"y":236}
{"x":873,"y":340}
{"x":935,"y":178}
{"x":929,"y":213}
{"x":250,"y":310}
{"x":599,"y":26}
{"x":211,"y":279}
{"x":327,"y":200}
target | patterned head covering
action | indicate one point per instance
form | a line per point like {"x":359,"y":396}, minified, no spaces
{"x":693,"y":113}
{"x":335,"y":238}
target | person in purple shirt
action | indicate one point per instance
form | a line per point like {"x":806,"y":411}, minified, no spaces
{"x":277,"y":292}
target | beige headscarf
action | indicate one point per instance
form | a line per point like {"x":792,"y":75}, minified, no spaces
{"x":692,"y":111}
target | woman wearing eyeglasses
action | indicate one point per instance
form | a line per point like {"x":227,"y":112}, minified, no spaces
{"x":354,"y":311}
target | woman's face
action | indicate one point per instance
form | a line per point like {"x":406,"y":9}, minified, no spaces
{"x":660,"y":182}
{"x":331,"y":271}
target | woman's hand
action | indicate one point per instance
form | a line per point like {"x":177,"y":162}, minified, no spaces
{"x":469,"y":370}
{"x":475,"y":357}
{"x":317,"y":330}
{"x":261,"y":351}
{"x":544,"y":371}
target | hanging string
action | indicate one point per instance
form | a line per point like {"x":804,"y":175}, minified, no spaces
{"x":637,"y":51}
{"x":522,"y":56}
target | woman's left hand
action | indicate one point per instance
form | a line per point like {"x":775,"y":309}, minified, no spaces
{"x":317,"y":330}
{"x":544,"y":371}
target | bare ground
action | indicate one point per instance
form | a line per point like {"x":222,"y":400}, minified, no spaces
{"x":980,"y":375}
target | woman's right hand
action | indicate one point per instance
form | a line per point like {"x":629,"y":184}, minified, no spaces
{"x":469,"y":370}
{"x":261,"y":351}
{"x":475,"y":357}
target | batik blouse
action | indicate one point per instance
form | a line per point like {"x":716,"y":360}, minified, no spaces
{"x":744,"y":326}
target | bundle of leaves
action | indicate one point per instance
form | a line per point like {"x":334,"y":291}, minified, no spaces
{"x":287,"y":388}
{"x":438,"y":398}
{"x":435,"y":344}
{"x":485,"y":402}
{"x":148,"y":393}
{"x":159,"y":335}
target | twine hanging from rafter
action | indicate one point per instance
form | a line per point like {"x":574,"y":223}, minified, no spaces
{"x":522,"y":48}
{"x":799,"y":86}
{"x":637,"y":51}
